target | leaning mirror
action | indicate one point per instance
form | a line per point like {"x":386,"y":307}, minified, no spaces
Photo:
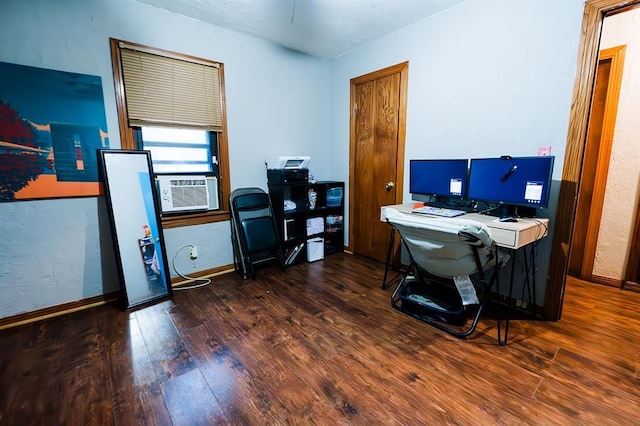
{"x":135,"y":226}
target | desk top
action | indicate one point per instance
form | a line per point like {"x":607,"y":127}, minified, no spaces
{"x":505,"y":234}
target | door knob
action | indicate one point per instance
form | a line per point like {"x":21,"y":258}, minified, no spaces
{"x":389,"y":186}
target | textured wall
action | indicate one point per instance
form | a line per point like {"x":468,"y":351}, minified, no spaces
{"x":59,"y":251}
{"x":54,"y":251}
{"x":623,"y":190}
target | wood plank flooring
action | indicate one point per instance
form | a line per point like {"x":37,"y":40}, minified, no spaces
{"x":320,"y":344}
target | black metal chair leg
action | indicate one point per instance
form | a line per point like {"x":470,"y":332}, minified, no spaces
{"x":385,"y":284}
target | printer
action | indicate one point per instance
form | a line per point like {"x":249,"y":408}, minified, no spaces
{"x":287,"y":169}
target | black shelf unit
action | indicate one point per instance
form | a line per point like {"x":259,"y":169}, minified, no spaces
{"x":295,"y":226}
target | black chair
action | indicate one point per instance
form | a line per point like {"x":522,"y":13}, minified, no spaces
{"x":253,"y":231}
{"x":453,"y":265}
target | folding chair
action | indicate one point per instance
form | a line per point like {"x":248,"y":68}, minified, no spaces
{"x":445,"y":284}
{"x":253,"y":231}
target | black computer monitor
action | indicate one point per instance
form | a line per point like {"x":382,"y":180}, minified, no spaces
{"x":511,"y":182}
{"x":438,"y":178}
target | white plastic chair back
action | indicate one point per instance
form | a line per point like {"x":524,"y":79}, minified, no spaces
{"x":435,"y":243}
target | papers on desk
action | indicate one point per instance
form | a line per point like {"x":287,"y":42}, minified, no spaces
{"x":466,"y":289}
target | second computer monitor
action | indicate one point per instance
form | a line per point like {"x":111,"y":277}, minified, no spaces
{"x":514,"y":181}
{"x":438,"y":178}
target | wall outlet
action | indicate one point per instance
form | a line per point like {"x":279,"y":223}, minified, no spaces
{"x":194,"y":253}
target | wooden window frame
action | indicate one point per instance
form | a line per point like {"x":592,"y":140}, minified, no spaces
{"x":127,"y":138}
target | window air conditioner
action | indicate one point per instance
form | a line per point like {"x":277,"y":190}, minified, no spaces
{"x":187,"y":192}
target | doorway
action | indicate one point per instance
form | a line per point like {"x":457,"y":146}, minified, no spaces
{"x":594,"y":14}
{"x":376,"y":171}
{"x":595,"y":166}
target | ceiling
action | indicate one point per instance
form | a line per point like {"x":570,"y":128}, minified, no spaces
{"x":321,"y":28}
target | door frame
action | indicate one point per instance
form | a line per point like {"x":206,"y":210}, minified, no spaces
{"x":587,"y":61}
{"x":616,"y":56}
{"x":403,"y":70}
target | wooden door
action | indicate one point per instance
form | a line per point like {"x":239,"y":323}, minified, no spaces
{"x":589,"y":164}
{"x":595,"y":166}
{"x":378,"y":118}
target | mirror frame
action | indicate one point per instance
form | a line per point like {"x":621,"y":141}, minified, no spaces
{"x":136,"y":226}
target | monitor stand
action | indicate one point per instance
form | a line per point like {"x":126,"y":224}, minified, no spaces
{"x":526,"y":211}
{"x":446,"y":202}
{"x":506,"y":211}
{"x":436,"y":201}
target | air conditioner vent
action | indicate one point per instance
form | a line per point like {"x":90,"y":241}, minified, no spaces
{"x":184,"y":193}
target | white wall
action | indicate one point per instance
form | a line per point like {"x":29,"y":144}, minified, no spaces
{"x":623,"y":181}
{"x":57,"y":251}
{"x":486,"y":78}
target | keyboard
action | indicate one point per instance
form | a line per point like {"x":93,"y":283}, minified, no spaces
{"x":438,"y":211}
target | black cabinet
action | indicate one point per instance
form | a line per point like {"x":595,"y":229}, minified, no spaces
{"x":310,"y":218}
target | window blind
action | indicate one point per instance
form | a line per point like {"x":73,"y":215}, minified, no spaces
{"x":167,"y":91}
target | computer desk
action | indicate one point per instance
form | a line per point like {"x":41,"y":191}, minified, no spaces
{"x":515,"y":237}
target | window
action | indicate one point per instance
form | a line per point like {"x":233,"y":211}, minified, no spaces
{"x":173,"y":105}
{"x":176,"y":150}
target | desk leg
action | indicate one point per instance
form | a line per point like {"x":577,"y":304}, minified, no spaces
{"x":503,"y":342}
{"x":498,"y":308}
{"x":527,"y":275}
{"x":530,"y":283}
{"x":534,"y":308}
{"x":385,"y":284}
{"x":530,"y":278}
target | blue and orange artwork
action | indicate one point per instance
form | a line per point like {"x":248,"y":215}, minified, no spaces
{"x":51,"y":125}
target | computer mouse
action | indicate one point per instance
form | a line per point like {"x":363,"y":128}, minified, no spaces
{"x":507,"y":219}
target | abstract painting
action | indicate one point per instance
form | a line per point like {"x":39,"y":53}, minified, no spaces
{"x":51,"y":125}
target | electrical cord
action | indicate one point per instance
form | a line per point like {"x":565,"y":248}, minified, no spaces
{"x":203,"y":281}
{"x":542,"y":230}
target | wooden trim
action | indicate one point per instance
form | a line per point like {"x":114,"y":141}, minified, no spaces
{"x":207,"y":273}
{"x":191,"y":219}
{"x":402,"y":130}
{"x":624,"y":9}
{"x":352,"y":156}
{"x":103,"y":299}
{"x":594,"y":12}
{"x":135,"y":47}
{"x":58,"y":310}
{"x":612,"y":282}
{"x":616,"y":56}
{"x":127,"y":139}
{"x":224,"y":169}
{"x":633,"y":286}
{"x":403,"y":70}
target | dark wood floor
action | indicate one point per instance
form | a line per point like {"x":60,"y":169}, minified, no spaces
{"x":320,"y":344}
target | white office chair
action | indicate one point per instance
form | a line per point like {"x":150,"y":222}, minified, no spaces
{"x":445,"y":284}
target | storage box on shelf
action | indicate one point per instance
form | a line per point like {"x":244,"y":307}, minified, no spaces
{"x":310,"y":216}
